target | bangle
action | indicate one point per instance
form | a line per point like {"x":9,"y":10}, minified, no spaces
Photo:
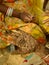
{"x":9,"y":12}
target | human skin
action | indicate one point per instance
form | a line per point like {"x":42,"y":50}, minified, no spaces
{"x":22,"y":15}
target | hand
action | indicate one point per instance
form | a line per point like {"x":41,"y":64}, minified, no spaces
{"x":26,"y":17}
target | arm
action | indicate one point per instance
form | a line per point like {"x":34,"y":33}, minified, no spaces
{"x":4,"y":8}
{"x":1,"y":1}
{"x":22,"y":15}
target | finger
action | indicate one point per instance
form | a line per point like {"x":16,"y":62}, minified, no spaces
{"x":27,"y":19}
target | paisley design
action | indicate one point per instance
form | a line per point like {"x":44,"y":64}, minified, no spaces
{"x":33,"y":29}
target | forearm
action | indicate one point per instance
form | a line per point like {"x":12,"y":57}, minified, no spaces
{"x":1,"y":1}
{"x":15,"y":13}
{"x":4,"y":8}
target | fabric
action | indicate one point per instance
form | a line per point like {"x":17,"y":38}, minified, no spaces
{"x":31,"y":28}
{"x":21,"y":6}
{"x":31,"y":60}
{"x":36,"y":32}
{"x":35,"y":7}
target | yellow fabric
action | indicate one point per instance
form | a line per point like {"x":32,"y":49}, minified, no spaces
{"x":45,"y":24}
{"x":35,"y":7}
{"x":33,"y":29}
